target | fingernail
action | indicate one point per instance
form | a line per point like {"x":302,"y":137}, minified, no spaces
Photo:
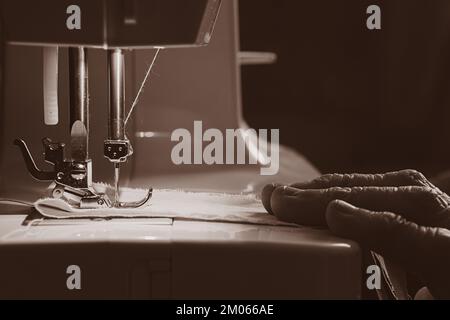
{"x":289,"y":190}
{"x":343,"y":207}
{"x":340,"y":218}
{"x":267,"y":194}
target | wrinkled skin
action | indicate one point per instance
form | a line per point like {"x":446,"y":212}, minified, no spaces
{"x":400,"y":215}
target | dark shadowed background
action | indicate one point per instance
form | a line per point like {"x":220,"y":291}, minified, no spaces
{"x":348,"y":98}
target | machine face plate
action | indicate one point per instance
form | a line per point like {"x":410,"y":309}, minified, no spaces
{"x":111,"y":23}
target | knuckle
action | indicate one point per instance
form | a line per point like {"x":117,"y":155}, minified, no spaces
{"x":388,"y":190}
{"x":391,"y":189}
{"x":338,"y":193}
{"x":357,"y":190}
{"x":415,"y":177}
{"x":433,"y":196}
{"x":423,"y":193}
{"x":327,"y":178}
{"x":376,"y":177}
{"x":427,"y":190}
{"x":346,"y":179}
{"x":417,"y":191}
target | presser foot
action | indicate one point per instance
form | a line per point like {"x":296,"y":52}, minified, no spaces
{"x":89,"y":199}
{"x":73,"y":180}
{"x":81,"y":198}
{"x":136,"y":204}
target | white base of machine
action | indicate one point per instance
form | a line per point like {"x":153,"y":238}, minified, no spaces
{"x":163,"y":258}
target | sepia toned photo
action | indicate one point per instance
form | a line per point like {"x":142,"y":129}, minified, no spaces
{"x":224,"y":155}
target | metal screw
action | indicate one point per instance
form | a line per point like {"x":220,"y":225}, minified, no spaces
{"x":78,"y":171}
{"x":79,"y":166}
{"x":57,"y":193}
{"x":78,"y":176}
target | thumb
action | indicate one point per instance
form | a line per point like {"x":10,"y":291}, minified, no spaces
{"x":421,"y":250}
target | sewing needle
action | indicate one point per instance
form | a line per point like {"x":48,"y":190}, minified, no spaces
{"x":116,"y":184}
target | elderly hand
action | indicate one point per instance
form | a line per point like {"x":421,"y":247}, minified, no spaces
{"x":399,"y":215}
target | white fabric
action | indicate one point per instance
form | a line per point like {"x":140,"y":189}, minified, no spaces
{"x":171,"y":204}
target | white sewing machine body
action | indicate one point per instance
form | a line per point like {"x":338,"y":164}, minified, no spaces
{"x":161,"y":258}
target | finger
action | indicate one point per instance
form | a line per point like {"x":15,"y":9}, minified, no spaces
{"x":307,"y":207}
{"x":392,"y":179}
{"x":421,"y":250}
{"x":267,"y":194}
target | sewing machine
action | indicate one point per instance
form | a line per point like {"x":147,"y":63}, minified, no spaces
{"x":197,"y":77}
